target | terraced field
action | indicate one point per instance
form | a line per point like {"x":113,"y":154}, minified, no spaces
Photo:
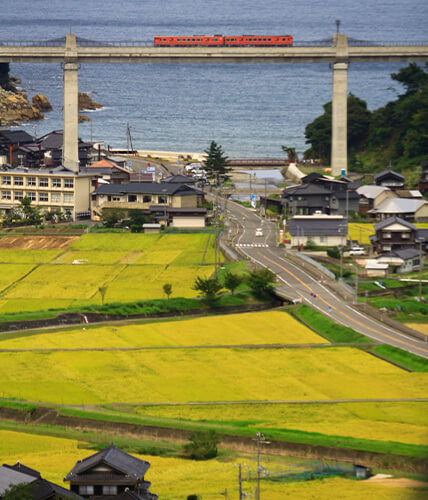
{"x":37,"y":273}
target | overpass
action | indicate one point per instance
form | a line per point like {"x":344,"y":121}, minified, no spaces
{"x":337,"y":51}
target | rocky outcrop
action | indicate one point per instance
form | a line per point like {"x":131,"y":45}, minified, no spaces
{"x":15,"y":108}
{"x":83,"y":118}
{"x":86,"y":102}
{"x":41,"y":103}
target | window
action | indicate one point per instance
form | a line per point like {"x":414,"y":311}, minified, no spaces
{"x":109,"y":490}
{"x":55,"y":198}
{"x":147,"y":198}
{"x":132,"y":198}
{"x":116,"y":198}
{"x":32,"y":196}
{"x":162,"y":199}
{"x":56,"y":182}
{"x":43,"y":197}
{"x":68,"y":183}
{"x":5,"y":195}
{"x":31,"y":181}
{"x":86,"y":490}
{"x":387,"y":235}
{"x":386,"y":248}
{"x":6,"y":180}
{"x":68,"y":198}
{"x":405,"y":236}
{"x":18,"y":181}
{"x":19,"y":195}
{"x":44,"y":182}
{"x":323,"y":239}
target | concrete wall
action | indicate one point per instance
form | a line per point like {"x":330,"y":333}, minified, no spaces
{"x":195,"y":222}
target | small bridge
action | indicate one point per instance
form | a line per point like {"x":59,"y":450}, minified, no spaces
{"x":257,"y":162}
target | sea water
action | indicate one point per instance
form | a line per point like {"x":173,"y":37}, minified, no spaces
{"x":250,"y":109}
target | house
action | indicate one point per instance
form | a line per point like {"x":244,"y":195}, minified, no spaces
{"x":37,"y":487}
{"x":320,"y":229}
{"x":390,"y":179}
{"x":153,"y":198}
{"x":306,"y":199}
{"x":320,"y":193}
{"x":47,"y":188}
{"x":107,"y":171}
{"x":111,"y":473}
{"x":51,"y":146}
{"x":403,"y":260}
{"x":392,"y":234}
{"x":411,"y":209}
{"x":17,"y":148}
{"x":371,"y":196}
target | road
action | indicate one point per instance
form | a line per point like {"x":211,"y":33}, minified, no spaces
{"x":298,"y":283}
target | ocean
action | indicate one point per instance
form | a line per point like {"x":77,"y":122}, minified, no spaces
{"x":250,"y":109}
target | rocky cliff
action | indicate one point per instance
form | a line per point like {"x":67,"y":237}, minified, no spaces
{"x":15,"y":108}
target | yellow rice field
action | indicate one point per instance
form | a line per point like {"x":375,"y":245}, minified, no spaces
{"x":271,"y":327}
{"x":399,"y":421}
{"x":180,"y":375}
{"x":175,"y":478}
{"x":420,"y":327}
{"x":133,"y":266}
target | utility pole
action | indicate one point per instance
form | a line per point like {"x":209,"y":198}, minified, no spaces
{"x":260,"y":440}
{"x":240,"y":483}
{"x":421,"y":265}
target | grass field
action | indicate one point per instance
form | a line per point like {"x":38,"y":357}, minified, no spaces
{"x":360,"y":232}
{"x":175,"y":478}
{"x":180,"y":375}
{"x":133,"y":266}
{"x":273,"y":327}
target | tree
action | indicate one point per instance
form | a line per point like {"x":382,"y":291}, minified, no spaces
{"x":103,"y":291}
{"x":209,"y":287}
{"x":261,"y":282}
{"x":413,"y":77}
{"x":216,"y":161}
{"x":111,"y":216}
{"x":232,"y":281}
{"x":136,"y":220}
{"x":20,"y":491}
{"x":291,"y":154}
{"x":202,"y":446}
{"x":167,"y":289}
{"x":31,"y":214}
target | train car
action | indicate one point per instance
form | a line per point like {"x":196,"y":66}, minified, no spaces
{"x":189,"y":41}
{"x":257,"y":40}
{"x":220,"y":40}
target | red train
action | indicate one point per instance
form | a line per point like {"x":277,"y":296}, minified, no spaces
{"x":220,"y":41}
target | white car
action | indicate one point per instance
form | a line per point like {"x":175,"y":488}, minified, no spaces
{"x":356,"y":250}
{"x":259,"y":231}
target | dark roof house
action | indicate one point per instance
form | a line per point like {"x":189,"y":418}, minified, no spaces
{"x":109,"y":473}
{"x":390,"y":179}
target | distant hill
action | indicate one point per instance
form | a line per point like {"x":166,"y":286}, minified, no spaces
{"x":396,"y":133}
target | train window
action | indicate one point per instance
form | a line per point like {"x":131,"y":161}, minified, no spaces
{"x":163,"y":39}
{"x":269,"y":39}
{"x":214,"y":39}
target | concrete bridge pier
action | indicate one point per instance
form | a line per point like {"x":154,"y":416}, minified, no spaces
{"x":70,"y":151}
{"x":339,"y":114}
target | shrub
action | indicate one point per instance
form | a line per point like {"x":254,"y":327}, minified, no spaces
{"x":202,"y":445}
{"x":333,"y":252}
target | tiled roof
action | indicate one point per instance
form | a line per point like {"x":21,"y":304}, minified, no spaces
{"x":388,"y":172}
{"x":406,"y":253}
{"x":10,"y":477}
{"x":318,"y":226}
{"x":305,"y":190}
{"x":115,"y":458}
{"x":399,"y":206}
{"x":145,"y":188}
{"x":15,"y":137}
{"x":393,"y":220}
{"x":371,"y":191}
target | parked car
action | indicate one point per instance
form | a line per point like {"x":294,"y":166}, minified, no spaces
{"x":356,"y":250}
{"x":259,"y":231}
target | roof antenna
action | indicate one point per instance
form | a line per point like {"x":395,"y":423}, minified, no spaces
{"x":337,"y":25}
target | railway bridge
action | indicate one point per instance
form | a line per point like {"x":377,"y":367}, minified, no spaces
{"x":337,"y":51}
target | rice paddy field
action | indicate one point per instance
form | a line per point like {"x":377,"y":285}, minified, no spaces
{"x":361,"y":231}
{"x":183,"y":374}
{"x":38,"y":273}
{"x":175,"y":478}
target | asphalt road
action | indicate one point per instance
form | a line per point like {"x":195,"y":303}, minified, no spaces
{"x":298,"y":283}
